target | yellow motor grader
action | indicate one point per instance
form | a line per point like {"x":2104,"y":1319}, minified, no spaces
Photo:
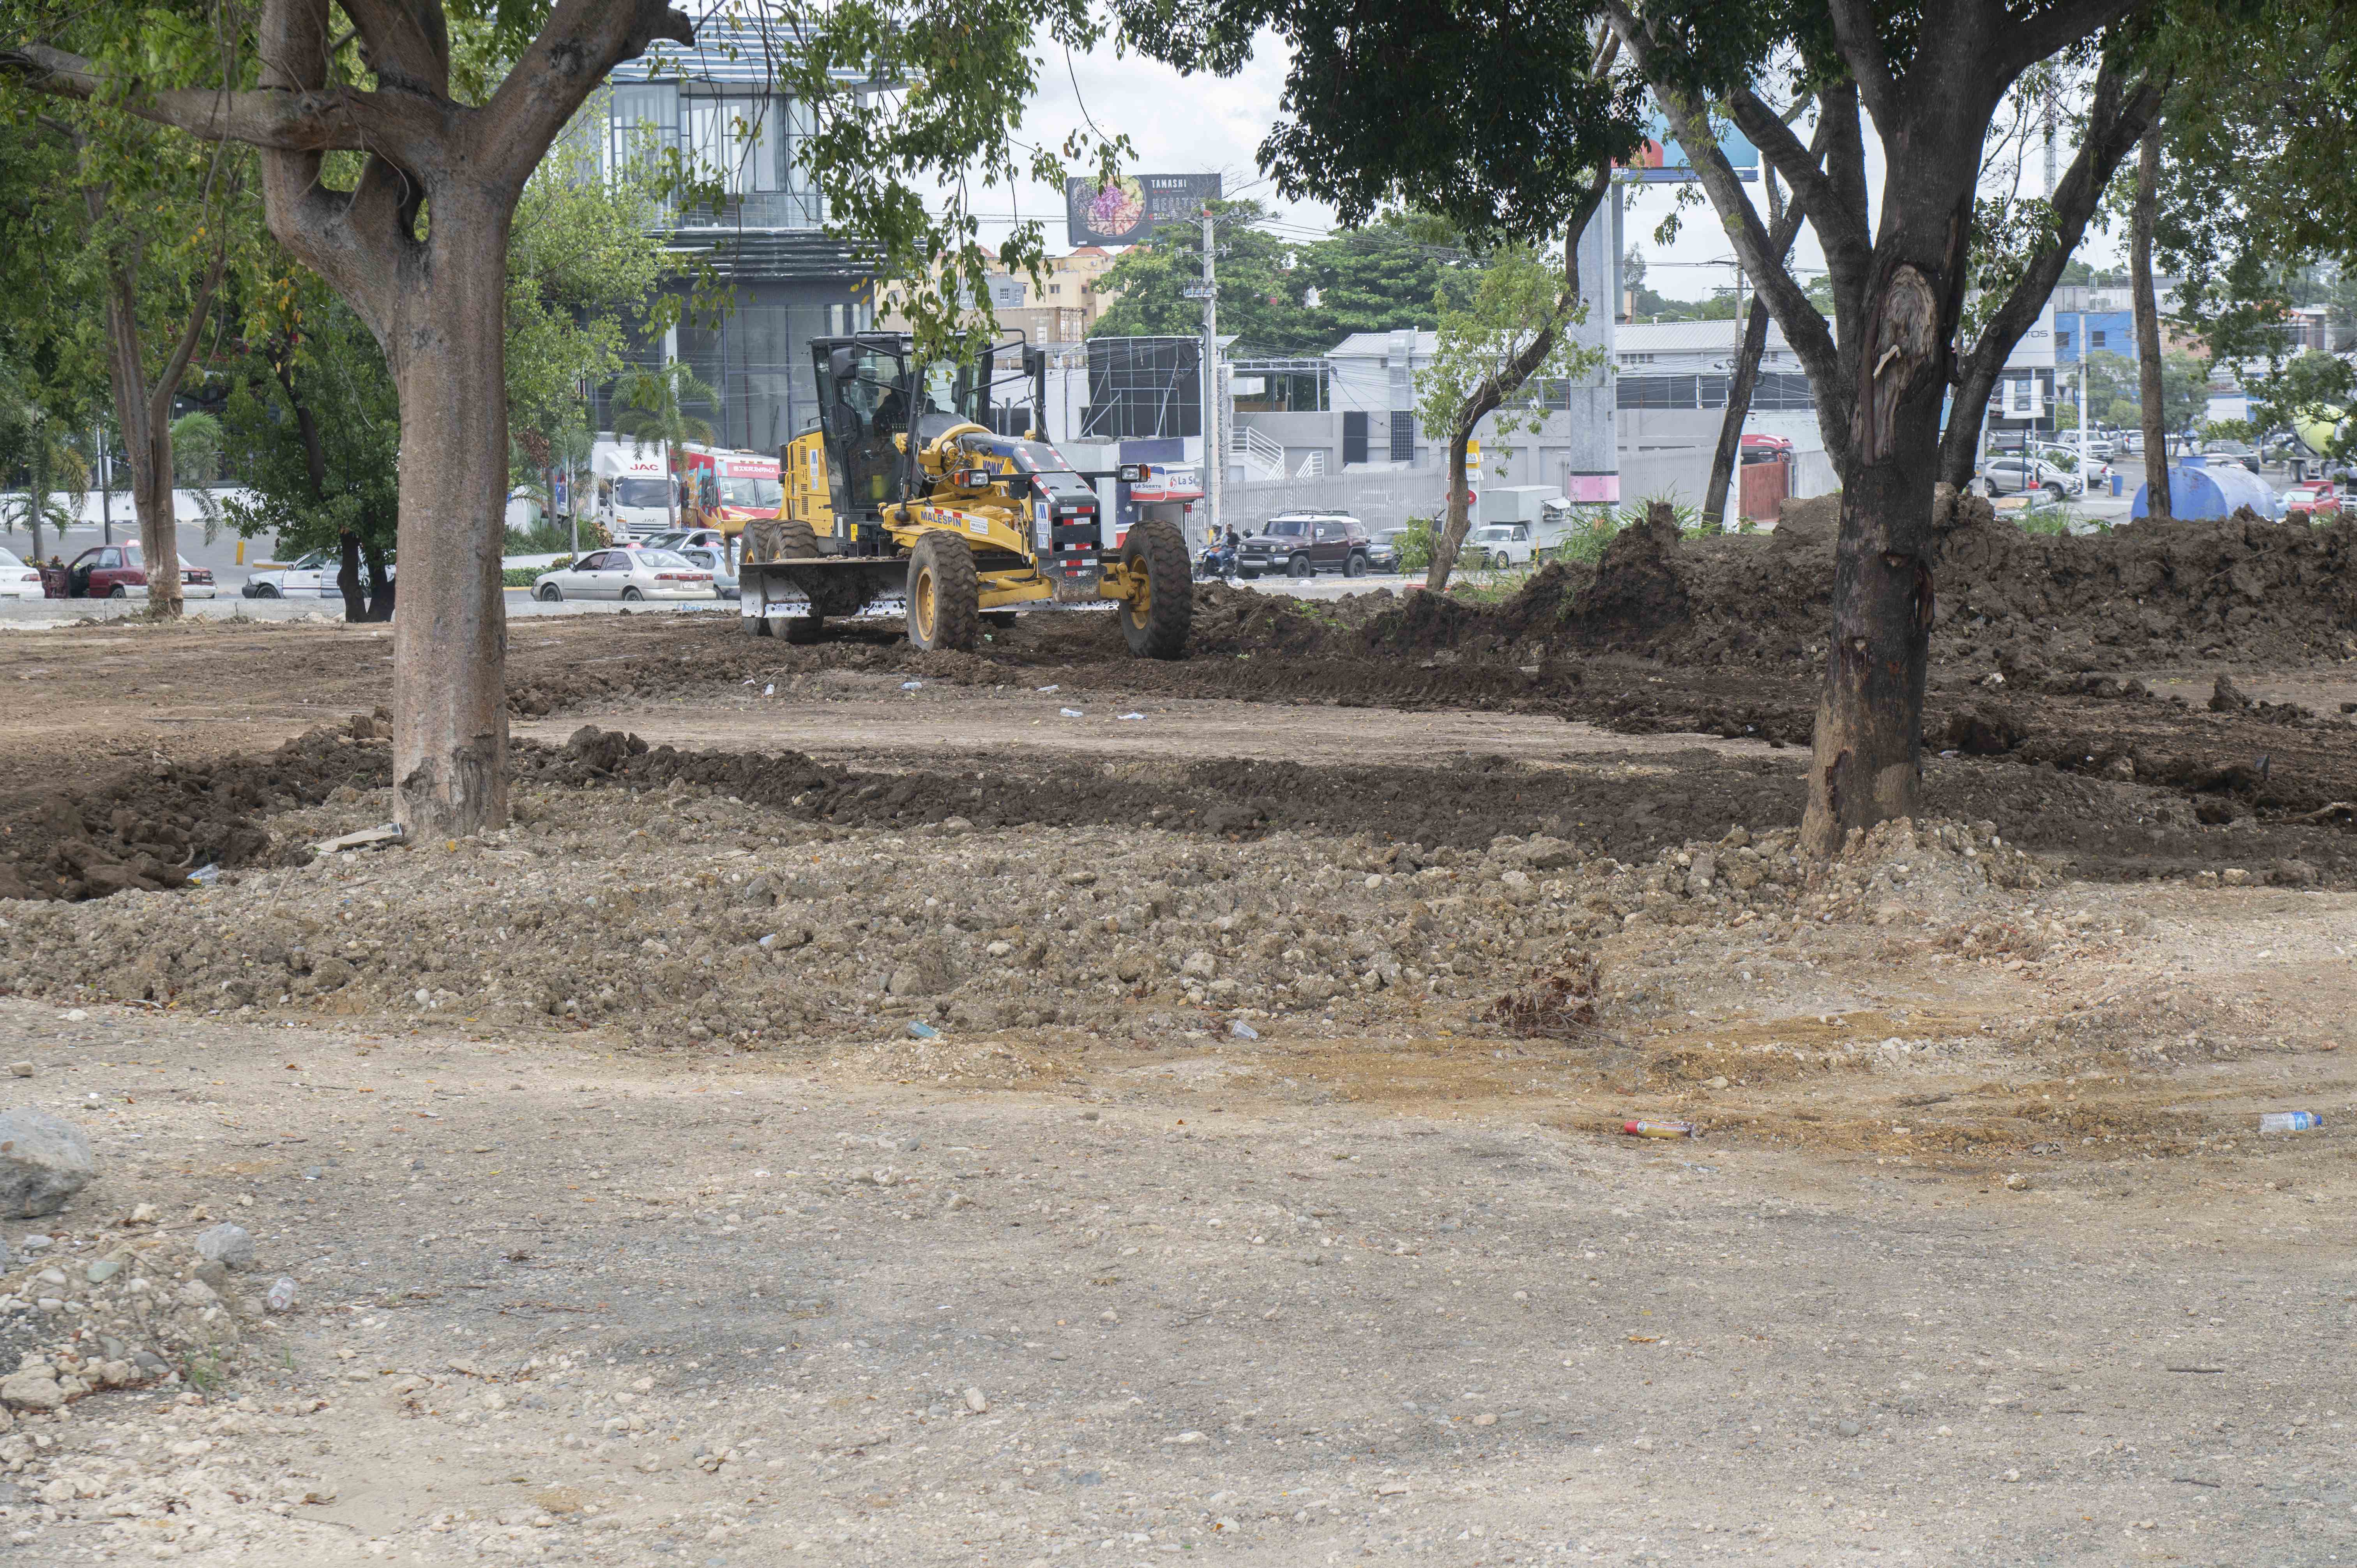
{"x":911,"y":485}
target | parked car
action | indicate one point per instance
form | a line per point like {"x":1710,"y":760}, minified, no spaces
{"x":2318,"y":498}
{"x":117,"y":572}
{"x":713,"y":558}
{"x":1499,"y":545}
{"x":19,"y":581}
{"x":305,"y":576}
{"x":2241,"y":452}
{"x":682,"y":538}
{"x":1300,"y":544}
{"x":626,"y":574}
{"x":2130,"y":444}
{"x":2067,"y":459}
{"x":2020,"y":476}
{"x":1382,"y":549}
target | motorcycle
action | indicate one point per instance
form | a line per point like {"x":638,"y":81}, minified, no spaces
{"x":1218,"y":560}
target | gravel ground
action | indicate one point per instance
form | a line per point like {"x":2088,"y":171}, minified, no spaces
{"x":620,"y":1238}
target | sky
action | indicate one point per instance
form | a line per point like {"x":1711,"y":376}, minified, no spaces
{"x":1206,"y":124}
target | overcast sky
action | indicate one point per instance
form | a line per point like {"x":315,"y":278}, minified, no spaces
{"x":1206,"y":124}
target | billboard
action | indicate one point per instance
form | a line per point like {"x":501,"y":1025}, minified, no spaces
{"x":1127,"y":210}
{"x":1661,"y":161}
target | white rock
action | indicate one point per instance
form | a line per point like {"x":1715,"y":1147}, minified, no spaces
{"x":226,"y":1243}
{"x":44,"y":1161}
{"x":977,"y":1400}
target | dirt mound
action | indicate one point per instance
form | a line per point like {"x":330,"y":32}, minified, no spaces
{"x":2246,"y":589}
{"x":148,"y":830}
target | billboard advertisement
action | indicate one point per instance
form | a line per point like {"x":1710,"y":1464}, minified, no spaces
{"x":1661,"y":161}
{"x":1126,"y":209}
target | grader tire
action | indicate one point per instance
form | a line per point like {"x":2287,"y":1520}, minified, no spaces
{"x":780,"y":538}
{"x":1155,"y":623}
{"x":944,"y":594}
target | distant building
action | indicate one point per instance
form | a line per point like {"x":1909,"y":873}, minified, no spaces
{"x":1063,"y":307}
{"x":786,"y":282}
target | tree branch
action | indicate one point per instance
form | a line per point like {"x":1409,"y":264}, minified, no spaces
{"x":167,"y":384}
{"x":1840,"y":225}
{"x":2116,"y":118}
{"x":2033,"y":39}
{"x":1860,"y":42}
{"x":580,"y":42}
{"x":406,"y":45}
{"x":1804,"y":329}
{"x":325,"y":120}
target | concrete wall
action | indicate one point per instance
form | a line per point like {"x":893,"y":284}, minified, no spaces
{"x":1377,"y":498}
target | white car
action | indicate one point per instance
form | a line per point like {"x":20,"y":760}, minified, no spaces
{"x":19,"y":581}
{"x":626,"y":574}
{"x":1499,"y":545}
{"x":2023,"y":476}
{"x":307,"y":576}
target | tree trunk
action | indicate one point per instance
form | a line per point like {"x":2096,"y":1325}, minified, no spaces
{"x":380,"y":606}
{"x":348,"y":575}
{"x":2152,"y":394}
{"x":1726,"y":459}
{"x":1459,"y":518}
{"x":1723,"y":462}
{"x":449,"y":362}
{"x":1865,"y":763}
{"x":147,"y":446}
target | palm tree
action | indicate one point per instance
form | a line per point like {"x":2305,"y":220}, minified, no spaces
{"x":651,"y":413}
{"x":31,"y":439}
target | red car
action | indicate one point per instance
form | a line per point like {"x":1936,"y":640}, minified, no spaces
{"x":117,"y":572}
{"x":2319,"y":498}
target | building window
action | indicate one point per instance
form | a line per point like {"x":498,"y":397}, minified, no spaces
{"x":1055,"y":289}
{"x":2095,"y":338}
{"x":1354,"y":436}
{"x":1402,"y":435}
{"x":2063,"y":342}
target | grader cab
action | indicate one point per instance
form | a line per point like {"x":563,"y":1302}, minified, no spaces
{"x":930,"y":481}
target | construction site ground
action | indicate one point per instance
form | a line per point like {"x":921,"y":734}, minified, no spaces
{"x":908,"y":1122}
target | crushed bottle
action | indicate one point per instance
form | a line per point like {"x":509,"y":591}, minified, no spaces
{"x":1642,"y":1129}
{"x":2290,"y":1121}
{"x":282,"y":1296}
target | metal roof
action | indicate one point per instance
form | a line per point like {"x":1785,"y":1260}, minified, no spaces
{"x":731,"y":49}
{"x":1684,"y":336}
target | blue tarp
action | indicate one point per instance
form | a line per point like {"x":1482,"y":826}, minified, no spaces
{"x":2198,"y":490}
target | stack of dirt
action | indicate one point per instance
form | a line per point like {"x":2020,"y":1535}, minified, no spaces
{"x":149,"y":830}
{"x":2244,"y":590}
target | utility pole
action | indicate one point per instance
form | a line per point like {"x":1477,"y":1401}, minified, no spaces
{"x":2049,"y":141}
{"x":1214,"y":394}
{"x":105,"y":490}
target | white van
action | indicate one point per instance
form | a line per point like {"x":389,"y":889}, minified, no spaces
{"x":634,"y":493}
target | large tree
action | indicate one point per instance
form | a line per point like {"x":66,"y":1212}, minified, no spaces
{"x":1931,"y":78}
{"x":143,"y":229}
{"x":413,"y":230}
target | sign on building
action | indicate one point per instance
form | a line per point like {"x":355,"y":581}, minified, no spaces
{"x":1661,"y":161}
{"x":1129,"y":209}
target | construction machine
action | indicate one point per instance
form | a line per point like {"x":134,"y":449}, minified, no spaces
{"x":921,"y":480}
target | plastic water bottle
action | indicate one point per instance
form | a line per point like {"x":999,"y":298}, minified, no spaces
{"x":1660,"y":1129}
{"x":2290,"y":1121}
{"x":282,"y":1296}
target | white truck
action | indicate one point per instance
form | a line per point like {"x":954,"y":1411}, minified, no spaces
{"x":1513,"y":524}
{"x":635,"y":493}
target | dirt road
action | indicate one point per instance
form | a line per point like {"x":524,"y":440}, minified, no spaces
{"x":636,"y":1218}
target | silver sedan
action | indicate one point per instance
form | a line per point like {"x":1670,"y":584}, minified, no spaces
{"x":626,"y":574}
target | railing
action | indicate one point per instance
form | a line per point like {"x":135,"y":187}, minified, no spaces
{"x":1261,"y":457}
{"x":1313,"y":466}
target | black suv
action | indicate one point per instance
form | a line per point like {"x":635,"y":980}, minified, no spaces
{"x":1301,"y":543}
